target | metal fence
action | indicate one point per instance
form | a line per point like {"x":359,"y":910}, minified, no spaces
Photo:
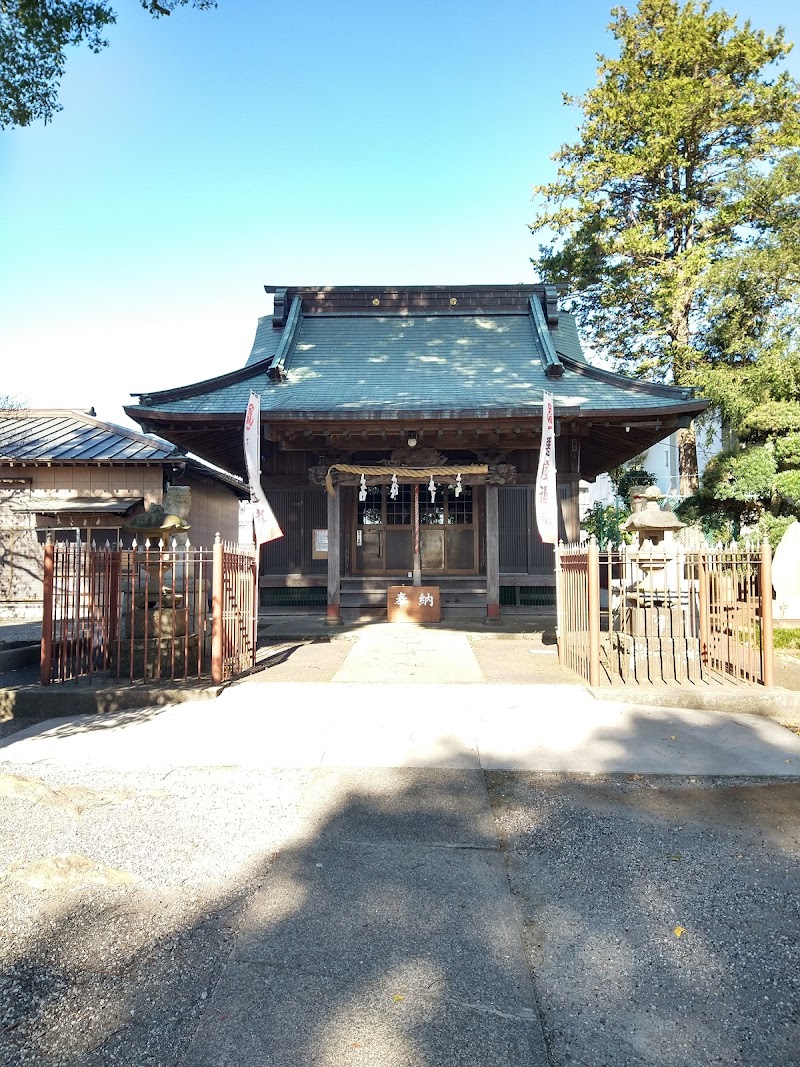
{"x":662,"y":614}
{"x":151,"y":613}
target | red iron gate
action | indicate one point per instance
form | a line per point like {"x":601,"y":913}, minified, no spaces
{"x":651,"y":615}
{"x":149,"y":613}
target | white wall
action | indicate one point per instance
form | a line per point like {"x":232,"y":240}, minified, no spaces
{"x":662,"y":461}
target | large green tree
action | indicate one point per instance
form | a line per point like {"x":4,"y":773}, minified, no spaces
{"x":685,"y":139}
{"x":34,"y":38}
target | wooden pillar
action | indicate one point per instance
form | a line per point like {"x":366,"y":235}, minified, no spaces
{"x":334,"y":559}
{"x":492,"y":554}
{"x":569,"y":506}
{"x":416,"y":561}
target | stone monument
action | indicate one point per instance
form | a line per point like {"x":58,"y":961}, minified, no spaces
{"x":786,"y":576}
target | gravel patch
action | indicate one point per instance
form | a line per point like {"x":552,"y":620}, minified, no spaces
{"x":120,"y":894}
{"x":661,"y":916}
{"x":14,"y":630}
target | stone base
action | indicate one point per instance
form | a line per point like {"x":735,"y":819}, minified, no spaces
{"x":155,"y":658}
{"x":655,"y":659}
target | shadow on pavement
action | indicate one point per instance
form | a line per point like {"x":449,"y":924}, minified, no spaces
{"x":383,"y":933}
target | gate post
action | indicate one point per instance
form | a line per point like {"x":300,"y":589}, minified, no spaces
{"x":704,"y":609}
{"x":557,"y":549}
{"x":216,"y":612}
{"x":767,"y":646}
{"x":47,"y":613}
{"x":593,"y":567}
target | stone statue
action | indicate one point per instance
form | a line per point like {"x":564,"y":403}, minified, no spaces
{"x":167,"y":519}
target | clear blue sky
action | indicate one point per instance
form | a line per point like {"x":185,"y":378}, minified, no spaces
{"x":206,"y":154}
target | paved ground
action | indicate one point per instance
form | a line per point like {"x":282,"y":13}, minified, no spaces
{"x":555,"y":728}
{"x":661,"y":917}
{"x":371,"y":872}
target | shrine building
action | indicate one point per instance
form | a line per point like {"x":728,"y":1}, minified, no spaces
{"x":438,"y":390}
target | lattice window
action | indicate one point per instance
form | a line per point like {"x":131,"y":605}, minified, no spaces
{"x":400,"y":512}
{"x":370,"y":511}
{"x":459,"y":508}
{"x":431,"y":514}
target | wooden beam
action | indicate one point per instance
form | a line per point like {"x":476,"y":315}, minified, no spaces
{"x":334,"y":560}
{"x":492,"y":553}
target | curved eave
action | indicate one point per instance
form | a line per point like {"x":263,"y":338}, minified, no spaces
{"x":628,"y":385}
{"x":207,"y":385}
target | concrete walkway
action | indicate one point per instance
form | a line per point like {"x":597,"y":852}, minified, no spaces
{"x":512,"y":727}
{"x":402,"y":652}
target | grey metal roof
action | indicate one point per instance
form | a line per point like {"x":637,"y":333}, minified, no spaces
{"x":266,"y":341}
{"x":374,"y":365}
{"x":565,"y":338}
{"x":64,"y":436}
{"x":53,"y":504}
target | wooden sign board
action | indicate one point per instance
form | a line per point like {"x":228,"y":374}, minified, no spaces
{"x":413,"y":603}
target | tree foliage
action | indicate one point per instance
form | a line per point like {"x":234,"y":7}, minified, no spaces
{"x":34,"y":38}
{"x":604,"y":523}
{"x":685,"y":141}
{"x":628,"y":475}
{"x":757,"y":483}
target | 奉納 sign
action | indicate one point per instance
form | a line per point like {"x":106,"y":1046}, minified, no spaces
{"x":413,"y":603}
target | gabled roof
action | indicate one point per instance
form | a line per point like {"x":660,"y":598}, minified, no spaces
{"x":351,"y":354}
{"x":333,"y":364}
{"x":70,"y":435}
{"x":74,"y":436}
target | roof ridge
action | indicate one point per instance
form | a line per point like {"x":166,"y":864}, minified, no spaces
{"x":553,"y":367}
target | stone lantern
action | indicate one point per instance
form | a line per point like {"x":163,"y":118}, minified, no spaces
{"x":655,"y":599}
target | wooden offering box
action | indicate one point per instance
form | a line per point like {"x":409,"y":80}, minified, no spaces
{"x":413,"y":603}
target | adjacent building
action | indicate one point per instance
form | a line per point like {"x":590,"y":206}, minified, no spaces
{"x":67,"y":474}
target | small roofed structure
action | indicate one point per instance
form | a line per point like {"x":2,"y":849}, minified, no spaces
{"x":64,"y":474}
{"x":354,"y":380}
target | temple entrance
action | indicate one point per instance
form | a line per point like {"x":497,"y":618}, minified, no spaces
{"x":384,"y":538}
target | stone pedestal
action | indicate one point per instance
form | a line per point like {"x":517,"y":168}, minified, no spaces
{"x":657,"y":659}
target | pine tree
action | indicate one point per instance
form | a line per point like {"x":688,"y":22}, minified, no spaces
{"x":659,"y":196}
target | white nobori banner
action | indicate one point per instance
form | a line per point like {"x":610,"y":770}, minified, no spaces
{"x":264,"y":521}
{"x":546,"y":497}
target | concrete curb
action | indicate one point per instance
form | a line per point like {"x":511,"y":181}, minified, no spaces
{"x":780,"y":705}
{"x":20,"y":655}
{"x":53,"y":702}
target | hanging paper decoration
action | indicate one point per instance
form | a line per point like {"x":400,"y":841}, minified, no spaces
{"x":459,"y":490}
{"x":362,"y":492}
{"x":432,"y":489}
{"x":394,"y":489}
